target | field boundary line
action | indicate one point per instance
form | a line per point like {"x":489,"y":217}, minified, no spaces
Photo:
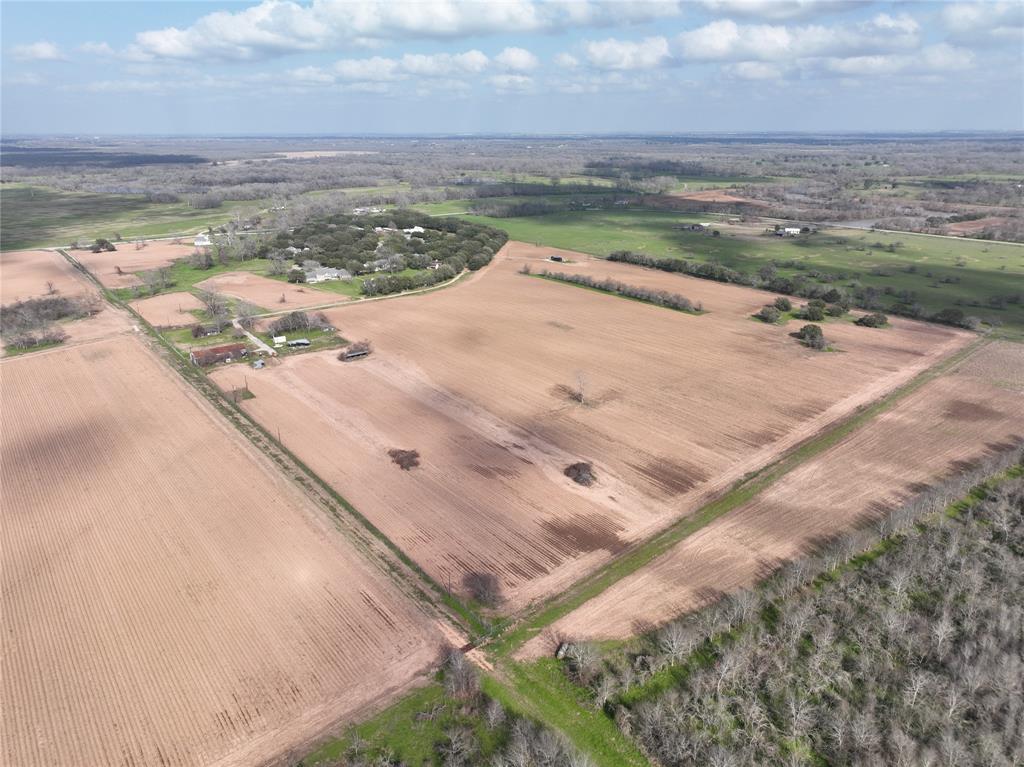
{"x":532,"y":622}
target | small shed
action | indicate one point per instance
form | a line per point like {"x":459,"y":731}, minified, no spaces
{"x":296,"y":342}
{"x":356,"y":351}
{"x":214,"y":354}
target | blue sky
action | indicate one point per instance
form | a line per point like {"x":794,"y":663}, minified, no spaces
{"x":526,"y":66}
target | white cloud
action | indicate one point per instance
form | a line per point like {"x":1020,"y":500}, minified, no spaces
{"x":780,"y":10}
{"x":512,"y":83}
{"x":566,"y":61}
{"x":516,"y":60}
{"x":728,"y":41}
{"x":376,"y":69}
{"x":999,"y":21}
{"x":755,"y":70}
{"x":649,"y":53}
{"x":40,"y":51}
{"x":311,"y":75}
{"x":933,"y":58}
{"x":278,"y":27}
{"x":438,"y":64}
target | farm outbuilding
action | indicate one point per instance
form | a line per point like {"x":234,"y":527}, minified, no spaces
{"x":215,"y":354}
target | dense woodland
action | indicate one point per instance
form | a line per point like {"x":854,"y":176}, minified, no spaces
{"x":901,"y":643}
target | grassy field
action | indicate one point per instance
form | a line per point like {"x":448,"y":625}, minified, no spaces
{"x":34,"y":216}
{"x":942,"y":272}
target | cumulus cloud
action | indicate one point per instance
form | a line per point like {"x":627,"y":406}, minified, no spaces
{"x":28,"y":79}
{"x":39,"y":51}
{"x":726,"y":40}
{"x":516,"y":60}
{"x":278,"y":27}
{"x":375,"y":69}
{"x":649,"y":53}
{"x":439,"y":64}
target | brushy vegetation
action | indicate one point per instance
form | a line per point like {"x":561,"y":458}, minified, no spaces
{"x":894,"y":644}
{"x":825,"y":299}
{"x":453,"y":724}
{"x":647,"y":295}
{"x":30,"y":324}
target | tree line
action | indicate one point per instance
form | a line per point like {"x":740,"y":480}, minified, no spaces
{"x":647,"y":295}
{"x":898,"y":643}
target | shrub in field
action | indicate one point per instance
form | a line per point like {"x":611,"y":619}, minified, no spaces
{"x":783,"y":304}
{"x":485,"y":588}
{"x":581,"y":473}
{"x":813,"y":311}
{"x":873,"y":320}
{"x":769,"y":314}
{"x":812,"y":337}
{"x":405,"y":459}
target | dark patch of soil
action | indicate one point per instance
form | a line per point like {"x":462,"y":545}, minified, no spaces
{"x":672,"y":478}
{"x":962,"y":410}
{"x":584,"y":533}
{"x":581,"y":473}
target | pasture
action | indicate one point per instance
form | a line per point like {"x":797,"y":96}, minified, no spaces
{"x":168,"y":596}
{"x":949,"y":422}
{"x":36,"y":216}
{"x":940,"y":272}
{"x":479,"y":379}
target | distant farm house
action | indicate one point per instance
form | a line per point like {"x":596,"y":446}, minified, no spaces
{"x":215,"y":354}
{"x":789,"y":231}
{"x":202,"y":241}
{"x":326,"y":274}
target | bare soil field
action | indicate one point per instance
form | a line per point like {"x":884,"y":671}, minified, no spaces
{"x":168,"y":310}
{"x":265,"y":292}
{"x":715,"y":195}
{"x":967,"y":228}
{"x":24,"y":274}
{"x":167,"y":597}
{"x":950,"y":421}
{"x":155,"y":254}
{"x":479,"y":379}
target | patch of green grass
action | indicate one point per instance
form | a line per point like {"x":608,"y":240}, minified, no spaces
{"x":976,"y":270}
{"x":541,"y":691}
{"x":36,"y":216}
{"x":319,"y":340}
{"x":182,"y":337}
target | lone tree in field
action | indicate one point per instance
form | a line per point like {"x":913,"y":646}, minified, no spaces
{"x":405,"y":459}
{"x":812,"y":337}
{"x":484,"y":588}
{"x":579,"y":393}
{"x":783,"y":304}
{"x":581,"y":473}
{"x":769,"y":314}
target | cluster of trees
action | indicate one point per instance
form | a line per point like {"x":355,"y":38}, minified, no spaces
{"x":294,"y":321}
{"x":350,"y":242}
{"x":473,"y":729}
{"x":509,"y":209}
{"x":647,"y":295}
{"x":865,"y":297}
{"x":398,"y":283}
{"x":873,"y":320}
{"x":897,"y":643}
{"x":28,"y":324}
